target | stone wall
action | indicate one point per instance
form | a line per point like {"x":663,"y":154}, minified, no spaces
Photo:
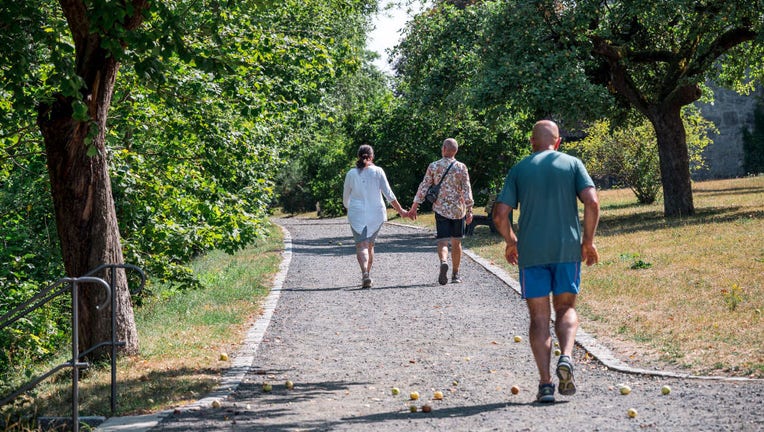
{"x":730,"y":112}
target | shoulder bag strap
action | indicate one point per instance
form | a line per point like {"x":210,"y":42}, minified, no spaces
{"x":444,"y":174}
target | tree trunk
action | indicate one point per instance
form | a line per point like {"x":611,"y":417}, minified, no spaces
{"x":674,"y":162}
{"x":82,"y":197}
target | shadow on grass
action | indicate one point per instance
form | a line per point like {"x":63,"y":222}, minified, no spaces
{"x":650,"y":220}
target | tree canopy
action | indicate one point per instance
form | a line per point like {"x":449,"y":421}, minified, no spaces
{"x":581,"y":61}
{"x":154,"y":129}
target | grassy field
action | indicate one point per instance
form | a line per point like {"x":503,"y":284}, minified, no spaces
{"x":682,"y":294}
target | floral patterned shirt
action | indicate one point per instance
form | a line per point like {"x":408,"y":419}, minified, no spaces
{"x":455,"y":196}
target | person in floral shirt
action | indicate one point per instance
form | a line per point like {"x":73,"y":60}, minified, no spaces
{"x":453,"y":207}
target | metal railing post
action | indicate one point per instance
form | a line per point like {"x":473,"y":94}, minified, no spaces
{"x":75,"y":357}
{"x":52,"y":291}
{"x":113,"y":401}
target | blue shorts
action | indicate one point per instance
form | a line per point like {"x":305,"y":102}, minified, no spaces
{"x":448,"y":228}
{"x":540,"y":281}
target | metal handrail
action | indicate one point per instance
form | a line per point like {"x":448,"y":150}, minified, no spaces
{"x":114,"y":342}
{"x":51,"y":292}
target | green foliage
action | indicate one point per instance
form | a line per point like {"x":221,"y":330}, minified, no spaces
{"x":733,"y":297}
{"x":753,"y":143}
{"x":576,"y":62}
{"x":212,"y":100}
{"x":628,"y":156}
{"x":439,"y":63}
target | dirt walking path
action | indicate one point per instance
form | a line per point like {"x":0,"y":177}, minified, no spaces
{"x":345,"y":348}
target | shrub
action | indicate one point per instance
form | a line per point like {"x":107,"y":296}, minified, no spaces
{"x":628,"y":156}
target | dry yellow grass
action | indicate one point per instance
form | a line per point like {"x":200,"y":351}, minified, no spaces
{"x":681,"y":294}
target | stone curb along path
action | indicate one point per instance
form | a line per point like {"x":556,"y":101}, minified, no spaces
{"x":240,"y":364}
{"x":483,"y":406}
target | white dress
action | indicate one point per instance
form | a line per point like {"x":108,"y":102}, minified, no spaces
{"x":362,"y":196}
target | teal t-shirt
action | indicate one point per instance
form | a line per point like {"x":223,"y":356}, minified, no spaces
{"x":545,"y":185}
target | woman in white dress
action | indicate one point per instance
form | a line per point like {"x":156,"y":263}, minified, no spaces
{"x":362,"y":196}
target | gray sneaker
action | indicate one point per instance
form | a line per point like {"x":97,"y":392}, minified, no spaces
{"x":546,"y":393}
{"x":567,"y":385}
{"x":455,"y":278}
{"x":443,"y":277}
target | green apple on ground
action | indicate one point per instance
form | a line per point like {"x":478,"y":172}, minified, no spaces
{"x":267,"y":387}
{"x":289,"y":385}
{"x":395,"y":391}
{"x":631,"y":412}
{"x":624,"y":389}
{"x":665,"y":390}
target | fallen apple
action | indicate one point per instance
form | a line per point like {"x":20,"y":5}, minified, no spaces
{"x":518,"y":338}
{"x":267,"y":387}
{"x":438,"y":395}
{"x":631,"y":412}
{"x":395,"y":391}
{"x":412,"y":408}
{"x":223,"y":356}
{"x":515,"y":389}
{"x":665,"y":390}
{"x":624,"y":389}
{"x":557,"y":352}
{"x":216,"y":404}
{"x":426,"y":408}
{"x":414,"y":395}
{"x":289,"y":385}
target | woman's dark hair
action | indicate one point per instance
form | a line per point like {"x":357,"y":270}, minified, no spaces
{"x":365,"y":155}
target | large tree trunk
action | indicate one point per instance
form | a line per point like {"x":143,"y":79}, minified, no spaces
{"x":674,"y":162}
{"x":81,"y":186}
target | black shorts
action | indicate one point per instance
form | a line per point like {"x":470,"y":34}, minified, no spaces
{"x":449,"y":228}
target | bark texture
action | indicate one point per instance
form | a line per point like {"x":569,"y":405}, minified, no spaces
{"x":80,"y":182}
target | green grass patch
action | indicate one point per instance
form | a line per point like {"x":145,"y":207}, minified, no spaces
{"x":181,"y":336}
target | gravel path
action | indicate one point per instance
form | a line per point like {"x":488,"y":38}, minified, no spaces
{"x":345,"y":348}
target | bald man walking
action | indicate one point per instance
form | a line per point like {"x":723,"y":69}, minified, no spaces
{"x":549,"y":249}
